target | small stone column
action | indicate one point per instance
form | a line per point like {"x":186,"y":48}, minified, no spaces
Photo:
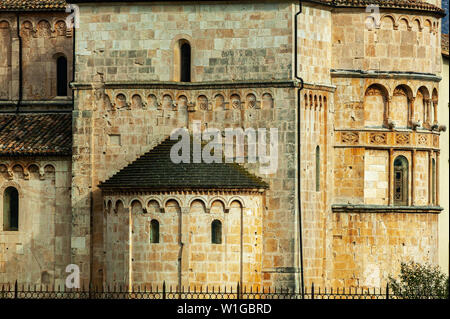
{"x":411,"y":110}
{"x":435,"y":107}
{"x":130,"y":248}
{"x":428,"y":113}
{"x":387,"y":113}
{"x":436,"y":187}
{"x":413,"y":177}
{"x":391,"y":177}
{"x":430,"y":178}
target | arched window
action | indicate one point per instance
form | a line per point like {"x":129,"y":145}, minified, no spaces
{"x":401,"y":181}
{"x":317,"y":169}
{"x":216,"y":232}
{"x":61,"y":76}
{"x":11,"y":209}
{"x":185,"y":62}
{"x":154,"y":231}
{"x":433,"y":181}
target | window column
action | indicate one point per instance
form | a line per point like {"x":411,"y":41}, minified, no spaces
{"x":436,"y":186}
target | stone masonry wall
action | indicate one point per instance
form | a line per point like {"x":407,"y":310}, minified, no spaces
{"x":39,"y":252}
{"x":122,"y":135}
{"x":370,"y":247}
{"x":184,"y":254}
{"x":407,"y":43}
{"x":44,"y":38}
{"x":314,"y":43}
{"x":229,"y":41}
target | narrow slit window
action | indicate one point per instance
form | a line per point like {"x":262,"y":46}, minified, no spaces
{"x":433,"y":181}
{"x":185,"y":62}
{"x":154,"y":231}
{"x":317,"y":169}
{"x":61,"y":76}
{"x":11,"y":209}
{"x":216,"y":232}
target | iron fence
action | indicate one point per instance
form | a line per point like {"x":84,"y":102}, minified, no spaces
{"x":18,"y":291}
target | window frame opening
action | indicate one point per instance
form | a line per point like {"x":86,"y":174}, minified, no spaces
{"x":401,"y":181}
{"x":185,"y":62}
{"x":216,"y":232}
{"x":182,"y":61}
{"x":11,"y":209}
{"x":317,"y":177}
{"x":154,"y":231}
{"x":433,"y":181}
{"x":61,"y":76}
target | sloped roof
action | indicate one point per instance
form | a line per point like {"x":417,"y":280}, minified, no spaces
{"x":155,"y":171}
{"x":35,"y":134}
{"x":444,"y":44}
{"x":32,"y":5}
{"x":52,"y":5}
{"x":397,"y":4}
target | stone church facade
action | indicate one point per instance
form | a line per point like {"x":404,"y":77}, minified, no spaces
{"x":85,"y":171}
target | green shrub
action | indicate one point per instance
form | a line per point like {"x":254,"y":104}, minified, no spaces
{"x":419,"y":281}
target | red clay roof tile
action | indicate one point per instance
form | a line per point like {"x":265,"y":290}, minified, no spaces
{"x":35,"y":134}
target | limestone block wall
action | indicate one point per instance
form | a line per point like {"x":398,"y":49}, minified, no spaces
{"x":5,"y":58}
{"x":314,"y":43}
{"x":368,"y":103}
{"x":376,"y":177}
{"x":232,"y":41}
{"x":368,"y":247}
{"x":111,"y":136}
{"x":400,"y":42}
{"x":44,"y":38}
{"x":349,"y":175}
{"x":316,"y":184}
{"x":39,"y":252}
{"x":185,"y":254}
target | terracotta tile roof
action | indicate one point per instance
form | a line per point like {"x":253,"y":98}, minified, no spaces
{"x":399,"y":4}
{"x":444,"y":44}
{"x":394,"y":4}
{"x":35,"y":134}
{"x":155,"y":171}
{"x":32,"y":5}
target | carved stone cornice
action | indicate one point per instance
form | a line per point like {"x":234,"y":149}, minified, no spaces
{"x":362,"y":208}
{"x":190,"y":85}
{"x":385,"y":139}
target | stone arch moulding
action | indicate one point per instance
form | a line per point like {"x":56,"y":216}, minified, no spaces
{"x":138,"y":94}
{"x":407,"y":20}
{"x":117,"y":203}
{"x":372,"y":94}
{"x":156,"y":199}
{"x":419,"y":23}
{"x":391,"y":18}
{"x":387,"y":91}
{"x":212,"y":218}
{"x":169,"y":198}
{"x":220,"y":199}
{"x":29,"y":24}
{"x":59,"y":25}
{"x":238,"y":199}
{"x":7,"y":184}
{"x":5,"y":24}
{"x":135,"y":199}
{"x":200,"y":199}
{"x":108,"y":205}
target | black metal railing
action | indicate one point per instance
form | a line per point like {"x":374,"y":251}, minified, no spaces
{"x":18,"y":291}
